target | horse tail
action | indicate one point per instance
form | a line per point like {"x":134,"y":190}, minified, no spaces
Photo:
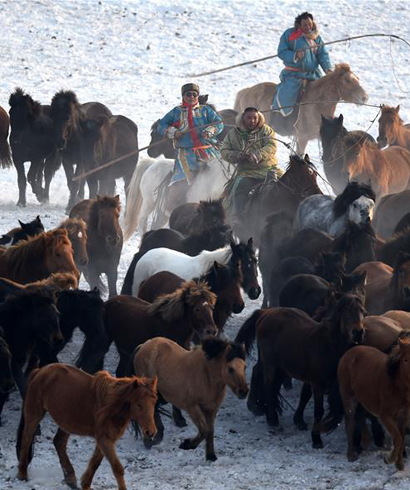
{"x":129,"y":276}
{"x":22,"y":423}
{"x":5,"y":155}
{"x":238,"y":105}
{"x":247,"y":332}
{"x":134,"y":199}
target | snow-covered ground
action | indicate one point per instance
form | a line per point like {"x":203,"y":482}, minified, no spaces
{"x":133,"y":56}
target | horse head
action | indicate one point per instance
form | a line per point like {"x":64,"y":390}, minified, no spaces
{"x":23,"y":109}
{"x":142,"y":401}
{"x":160,"y":145}
{"x":347,"y":319}
{"x":225,"y":281}
{"x":249,"y":266}
{"x":348,"y":85}
{"x":211,"y":213}
{"x":356,"y":202}
{"x":65,"y":115}
{"x":108,"y":221}
{"x":388,"y":122}
{"x":59,"y":252}
{"x":77,"y":234}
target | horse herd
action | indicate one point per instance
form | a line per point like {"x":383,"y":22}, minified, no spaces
{"x":335,"y":274}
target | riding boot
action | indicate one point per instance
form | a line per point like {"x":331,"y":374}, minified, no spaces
{"x":177,"y":194}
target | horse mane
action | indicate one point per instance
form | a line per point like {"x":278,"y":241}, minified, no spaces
{"x":74,"y":226}
{"x":393,"y":361}
{"x":213,"y":347}
{"x":391,"y":111}
{"x":211,"y":277}
{"x":64,"y":98}
{"x":172,"y":306}
{"x":402,"y":258}
{"x":102,"y":202}
{"x":295,"y":158}
{"x":339,"y":70}
{"x":351,"y":192}
{"x":58,"y":280}
{"x":212,"y":205}
{"x":19,"y":96}
{"x":343,"y":308}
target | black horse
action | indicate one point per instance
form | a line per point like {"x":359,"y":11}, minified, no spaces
{"x":22,"y":232}
{"x":32,"y":140}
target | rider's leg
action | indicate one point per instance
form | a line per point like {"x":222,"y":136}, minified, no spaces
{"x":242,"y":193}
{"x":177,"y":194}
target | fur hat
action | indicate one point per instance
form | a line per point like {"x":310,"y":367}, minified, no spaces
{"x":189,"y":86}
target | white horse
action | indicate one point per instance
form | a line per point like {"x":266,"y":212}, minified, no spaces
{"x":165,"y":259}
{"x":148,"y":175}
{"x":329,"y":214}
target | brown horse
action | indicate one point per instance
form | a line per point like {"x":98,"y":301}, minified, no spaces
{"x":5,"y":155}
{"x":291,"y":344}
{"x":385,"y":285}
{"x":178,"y":316}
{"x":104,"y":239}
{"x":38,"y":257}
{"x":194,"y":380}
{"x":319,"y":97}
{"x":392,"y":131}
{"x":381,"y":332}
{"x":57,"y":281}
{"x":77,"y":234}
{"x":97,"y":406}
{"x":381,"y":384}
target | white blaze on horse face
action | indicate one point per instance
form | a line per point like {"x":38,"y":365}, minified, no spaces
{"x":361,"y":210}
{"x":80,"y":234}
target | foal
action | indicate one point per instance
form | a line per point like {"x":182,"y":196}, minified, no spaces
{"x":99,"y":406}
{"x":381,"y":384}
{"x":194,"y":380}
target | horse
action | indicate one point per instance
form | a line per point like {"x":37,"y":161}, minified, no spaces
{"x":5,"y":155}
{"x":68,"y":116}
{"x":6,"y":375}
{"x":38,"y":257}
{"x":298,"y":182}
{"x":57,"y":281}
{"x":25,"y":230}
{"x":99,"y":406}
{"x":29,"y":317}
{"x":392,"y":131}
{"x":402,"y":225}
{"x":104,"y":239}
{"x":337,"y":143}
{"x":319,"y":97}
{"x":223,"y":280}
{"x":291,"y":344}
{"x":331,"y":215}
{"x":148,"y":177}
{"x":194,"y":380}
{"x":385,"y":285}
{"x":179,"y":315}
{"x":389,"y":210}
{"x":387,"y":251}
{"x":192,"y":217}
{"x":32,"y":139}
{"x":105,"y":139}
{"x":77,"y":234}
{"x":380,"y":383}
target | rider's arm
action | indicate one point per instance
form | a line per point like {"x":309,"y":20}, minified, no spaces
{"x":231,"y":149}
{"x":323,"y":55}
{"x":168,"y":125}
{"x":286,"y":51}
{"x":213,"y":117}
{"x":268,"y":150}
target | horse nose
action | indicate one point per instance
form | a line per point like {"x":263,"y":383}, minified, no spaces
{"x":243,"y":393}
{"x":254,"y":292}
{"x":238,"y":307}
{"x":365,"y":98}
{"x":150,"y":434}
{"x":358,"y":335}
{"x":211,"y":330}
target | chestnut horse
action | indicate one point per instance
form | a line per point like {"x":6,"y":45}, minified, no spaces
{"x":319,"y":97}
{"x":77,"y":234}
{"x":5,"y":155}
{"x":99,"y":406}
{"x":38,"y":257}
{"x":194,"y":380}
{"x":104,"y":240}
{"x":380,"y":384}
{"x":392,"y":131}
{"x":179,"y":315}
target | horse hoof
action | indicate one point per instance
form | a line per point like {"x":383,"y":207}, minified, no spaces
{"x":21,"y":204}
{"x":22,"y":476}
{"x":387,"y":458}
{"x":400,"y":466}
{"x":352,"y":457}
{"x":180,"y":423}
{"x":185,"y":444}
{"x":211,"y":457}
{"x":300,"y":425}
{"x":317,"y":445}
{"x":72,"y":483}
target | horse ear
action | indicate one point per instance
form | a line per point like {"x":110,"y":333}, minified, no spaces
{"x":21,"y":223}
{"x":340,"y":119}
{"x":323,"y":118}
{"x":307,"y":158}
{"x":117,"y":198}
{"x":250,"y":242}
{"x":397,"y":109}
{"x":216,"y":265}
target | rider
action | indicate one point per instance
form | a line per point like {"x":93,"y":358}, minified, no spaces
{"x":301,"y":50}
{"x":251,"y":146}
{"x":194,"y":147}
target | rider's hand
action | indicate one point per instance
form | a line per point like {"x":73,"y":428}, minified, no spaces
{"x":252,"y":159}
{"x":207,"y":135}
{"x":177,"y":134}
{"x":300,"y":55}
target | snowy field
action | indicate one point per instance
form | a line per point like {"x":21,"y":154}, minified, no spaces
{"x":133,"y":57}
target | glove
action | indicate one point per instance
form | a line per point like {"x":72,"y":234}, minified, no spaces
{"x":253,"y":159}
{"x":207,"y":135}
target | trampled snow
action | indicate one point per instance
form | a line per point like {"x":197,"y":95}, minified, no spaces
{"x":133,"y":56}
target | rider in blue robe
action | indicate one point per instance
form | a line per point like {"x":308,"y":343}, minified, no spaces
{"x":302,"y":51}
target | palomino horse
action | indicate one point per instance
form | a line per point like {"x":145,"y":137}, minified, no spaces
{"x":392,"y":131}
{"x":38,"y":257}
{"x":194,"y":380}
{"x":32,"y":139}
{"x":104,"y":239}
{"x":381,"y":385}
{"x":319,"y":97}
{"x":105,"y":139}
{"x":22,"y":232}
{"x":179,"y":316}
{"x":68,"y":117}
{"x":291,"y":344}
{"x":148,"y":176}
{"x":5,"y":155}
{"x":329,"y":214}
{"x":337,"y":143}
{"x":99,"y":406}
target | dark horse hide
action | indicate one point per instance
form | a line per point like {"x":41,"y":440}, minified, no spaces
{"x":32,"y":140}
{"x":192,"y":217}
{"x":22,"y":232}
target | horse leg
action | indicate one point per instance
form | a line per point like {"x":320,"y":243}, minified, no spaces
{"x":377,"y":430}
{"x":35,"y":167}
{"x":272,"y":387}
{"x":210,"y":451}
{"x":29,"y":429}
{"x":178,"y":418}
{"x":112,"y":275}
{"x":3,"y":398}
{"x":122,"y":365}
{"x":148,"y":443}
{"x":92,"y":183}
{"x":255,"y":402}
{"x":198,"y":418}
{"x":108,"y":449}
{"x":350,"y":407}
{"x":60,"y":443}
{"x":305,"y":396}
{"x":396,"y":454}
{"x":21,"y":181}
{"x":318,"y":415}
{"x":92,"y":467}
{"x":50,"y":167}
